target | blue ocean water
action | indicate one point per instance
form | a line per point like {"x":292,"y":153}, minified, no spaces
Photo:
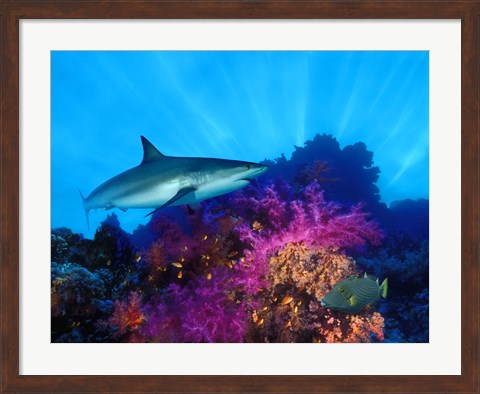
{"x":234,"y":105}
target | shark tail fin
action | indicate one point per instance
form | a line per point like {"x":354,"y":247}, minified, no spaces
{"x":87,"y":210}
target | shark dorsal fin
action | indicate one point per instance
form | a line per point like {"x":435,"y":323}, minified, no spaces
{"x":150,"y":153}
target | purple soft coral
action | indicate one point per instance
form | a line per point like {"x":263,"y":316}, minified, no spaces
{"x":209,"y":310}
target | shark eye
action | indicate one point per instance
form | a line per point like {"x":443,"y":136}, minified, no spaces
{"x":248,"y":167}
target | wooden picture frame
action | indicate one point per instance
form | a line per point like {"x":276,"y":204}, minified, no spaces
{"x":14,"y":10}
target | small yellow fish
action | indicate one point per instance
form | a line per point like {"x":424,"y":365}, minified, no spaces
{"x":287,"y":300}
{"x":260,"y":322}
{"x":150,"y":278}
{"x":254,"y":316}
{"x":264,"y":309}
{"x":205,"y":257}
{"x":215,"y":241}
{"x":209,"y":276}
{"x":288,"y":324}
{"x":257,"y":226}
{"x":205,"y":237}
{"x":295,"y":310}
{"x":232,"y":254}
{"x":182,"y":259}
{"x":184,"y":248}
{"x":138,"y":258}
{"x":275,"y":299}
{"x":180,"y":274}
{"x":178,"y":265}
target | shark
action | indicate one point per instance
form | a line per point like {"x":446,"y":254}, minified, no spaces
{"x":160,"y":181}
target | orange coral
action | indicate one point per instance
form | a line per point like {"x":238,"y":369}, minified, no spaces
{"x":315,"y":271}
{"x":362,"y":328}
{"x":290,"y":310}
{"x":127,"y":315}
{"x":156,"y":255}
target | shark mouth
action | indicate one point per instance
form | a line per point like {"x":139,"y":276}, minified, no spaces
{"x":259,"y":171}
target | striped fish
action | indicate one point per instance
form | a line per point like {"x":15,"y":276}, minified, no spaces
{"x":353,"y":294}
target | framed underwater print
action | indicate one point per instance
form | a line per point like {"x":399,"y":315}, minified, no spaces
{"x":215,"y":182}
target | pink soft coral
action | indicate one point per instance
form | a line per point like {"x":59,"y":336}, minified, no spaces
{"x":311,"y":221}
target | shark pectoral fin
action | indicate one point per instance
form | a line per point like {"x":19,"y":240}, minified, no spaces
{"x":181,"y":193}
{"x":123,"y":209}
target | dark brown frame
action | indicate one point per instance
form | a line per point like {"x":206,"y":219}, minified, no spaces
{"x":14,"y":10}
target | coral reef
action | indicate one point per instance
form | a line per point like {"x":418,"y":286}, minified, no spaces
{"x":210,"y":309}
{"x":127,"y":315}
{"x":75,"y":291}
{"x":290,"y":309}
{"x":314,"y":272}
{"x":77,"y":296}
{"x":404,"y":260}
{"x":310,"y":220}
{"x":347,"y":175}
{"x":67,"y":246}
{"x":253,"y":265}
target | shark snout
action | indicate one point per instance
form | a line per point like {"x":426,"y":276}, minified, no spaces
{"x":251,"y":170}
{"x":254,"y":170}
{"x":261,"y":168}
